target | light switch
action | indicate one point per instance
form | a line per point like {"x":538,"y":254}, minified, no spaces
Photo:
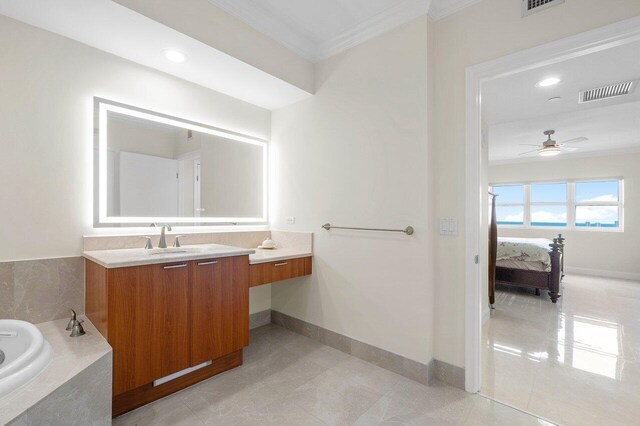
{"x":291,"y":220}
{"x":448,"y":226}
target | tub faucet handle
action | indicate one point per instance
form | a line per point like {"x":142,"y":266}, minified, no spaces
{"x":72,"y":320}
{"x":77,"y":329}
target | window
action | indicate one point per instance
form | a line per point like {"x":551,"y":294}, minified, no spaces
{"x":548,"y":204}
{"x":597,"y":204}
{"x":568,"y":205}
{"x":509,"y":204}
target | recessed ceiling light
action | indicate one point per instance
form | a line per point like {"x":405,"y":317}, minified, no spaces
{"x":551,"y":81}
{"x":175,"y":56}
{"x":555,"y":98}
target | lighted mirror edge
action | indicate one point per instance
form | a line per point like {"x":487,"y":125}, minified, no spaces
{"x":104,"y":106}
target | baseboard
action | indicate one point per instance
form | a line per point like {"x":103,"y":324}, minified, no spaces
{"x":398,"y":364}
{"x":448,"y":373}
{"x":422,"y":373}
{"x":603,"y":273}
{"x":258,"y":319}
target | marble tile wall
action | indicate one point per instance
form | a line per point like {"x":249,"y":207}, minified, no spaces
{"x":41,"y":290}
{"x":245,"y":239}
{"x":293,"y":240}
{"x":83,"y":400}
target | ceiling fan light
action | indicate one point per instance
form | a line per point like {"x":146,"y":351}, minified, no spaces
{"x":549,"y":152}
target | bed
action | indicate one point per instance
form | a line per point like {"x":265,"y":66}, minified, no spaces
{"x":535,"y":263}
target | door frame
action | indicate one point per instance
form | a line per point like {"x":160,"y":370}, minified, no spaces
{"x":609,"y":36}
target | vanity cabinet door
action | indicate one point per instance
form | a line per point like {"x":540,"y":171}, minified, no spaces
{"x":148,"y":323}
{"x":219,"y":307}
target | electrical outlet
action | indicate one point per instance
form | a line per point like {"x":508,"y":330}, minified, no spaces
{"x":291,"y":220}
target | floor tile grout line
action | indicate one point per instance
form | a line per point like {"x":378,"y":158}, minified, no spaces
{"x":519,"y":409}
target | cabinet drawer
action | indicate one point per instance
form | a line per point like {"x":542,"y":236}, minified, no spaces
{"x":264,"y":273}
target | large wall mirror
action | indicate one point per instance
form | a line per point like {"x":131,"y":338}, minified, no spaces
{"x":151,"y":167}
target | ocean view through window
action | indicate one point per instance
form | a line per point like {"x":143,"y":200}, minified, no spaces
{"x":580,"y":204}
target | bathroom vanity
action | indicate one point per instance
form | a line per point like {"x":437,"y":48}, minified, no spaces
{"x":176,"y":317}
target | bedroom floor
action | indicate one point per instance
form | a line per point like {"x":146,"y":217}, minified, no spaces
{"x":576,"y":362}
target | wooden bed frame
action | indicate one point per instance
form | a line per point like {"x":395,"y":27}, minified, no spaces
{"x":524,"y":278}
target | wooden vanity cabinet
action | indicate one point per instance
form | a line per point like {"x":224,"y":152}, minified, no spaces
{"x":220,"y":308}
{"x":162,"y":319}
{"x":270,"y":272}
{"x":148,"y":316}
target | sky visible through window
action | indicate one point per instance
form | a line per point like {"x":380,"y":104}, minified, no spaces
{"x":597,"y":192}
{"x":587,"y":197}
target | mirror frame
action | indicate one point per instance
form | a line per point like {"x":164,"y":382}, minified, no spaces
{"x":103,"y":106}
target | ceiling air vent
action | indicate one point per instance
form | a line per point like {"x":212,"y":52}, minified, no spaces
{"x":533,"y":6}
{"x":606,"y":92}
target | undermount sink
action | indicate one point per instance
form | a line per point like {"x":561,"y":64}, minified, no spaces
{"x":173,"y":250}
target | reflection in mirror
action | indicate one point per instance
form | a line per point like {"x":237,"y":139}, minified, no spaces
{"x":158,"y":168}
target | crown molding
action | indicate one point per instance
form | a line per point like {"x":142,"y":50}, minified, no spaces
{"x":303,"y":45}
{"x":439,"y":11}
{"x":399,"y":14}
{"x":262,"y":21}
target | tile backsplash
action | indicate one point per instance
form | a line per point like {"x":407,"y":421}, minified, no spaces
{"x":41,"y":290}
{"x":248,"y":239}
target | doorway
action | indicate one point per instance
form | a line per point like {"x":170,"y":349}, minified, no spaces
{"x":478,"y":79}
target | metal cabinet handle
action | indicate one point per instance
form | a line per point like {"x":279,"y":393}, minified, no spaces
{"x":184,"y":265}
{"x":280,"y":264}
{"x":213,"y":262}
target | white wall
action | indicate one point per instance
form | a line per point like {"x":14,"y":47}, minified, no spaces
{"x":357,"y":154}
{"x":232,"y":178}
{"x":46,"y":131}
{"x":46,"y":134}
{"x":601,"y":251}
{"x":481,"y":32}
{"x":140,"y":138}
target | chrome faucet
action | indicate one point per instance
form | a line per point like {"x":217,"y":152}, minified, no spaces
{"x":163,"y":240}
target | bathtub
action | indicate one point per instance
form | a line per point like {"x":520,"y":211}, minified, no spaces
{"x":26,"y":354}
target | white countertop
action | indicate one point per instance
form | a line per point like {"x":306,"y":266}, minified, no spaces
{"x":273,"y":255}
{"x":121,"y":258}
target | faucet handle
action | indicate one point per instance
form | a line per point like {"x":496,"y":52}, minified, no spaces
{"x":176,"y":243}
{"x":149,"y":245}
{"x":72,"y":320}
{"x":77,"y":329}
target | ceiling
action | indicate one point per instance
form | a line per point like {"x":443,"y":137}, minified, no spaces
{"x":443,"y":8}
{"x":315,"y":29}
{"x":517,"y":112}
{"x":113,"y":28}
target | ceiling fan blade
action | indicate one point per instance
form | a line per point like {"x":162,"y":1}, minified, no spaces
{"x":529,"y":152}
{"x":582,"y":139}
{"x":528,"y":144}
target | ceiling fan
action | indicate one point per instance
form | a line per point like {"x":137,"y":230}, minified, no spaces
{"x":550,"y":147}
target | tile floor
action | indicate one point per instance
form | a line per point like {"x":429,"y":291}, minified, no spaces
{"x":288,"y":379}
{"x":577,"y":362}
